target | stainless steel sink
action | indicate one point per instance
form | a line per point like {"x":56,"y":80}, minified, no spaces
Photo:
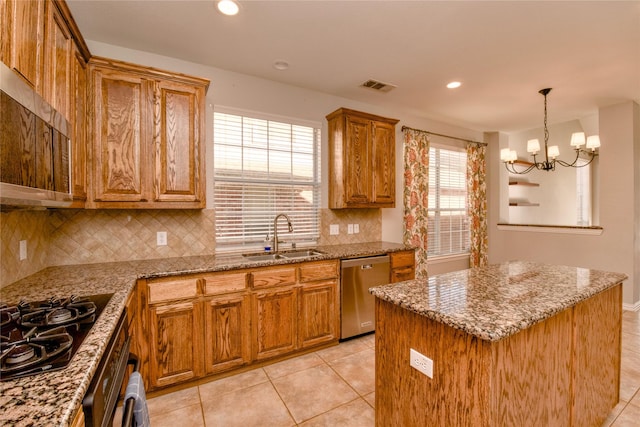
{"x":301,"y":253}
{"x":264,"y":257}
{"x":295,"y":254}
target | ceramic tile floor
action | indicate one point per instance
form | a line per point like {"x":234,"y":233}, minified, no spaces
{"x":334,"y":387}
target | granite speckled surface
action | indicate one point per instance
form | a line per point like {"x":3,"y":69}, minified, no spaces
{"x":499,"y":300}
{"x":51,"y":398}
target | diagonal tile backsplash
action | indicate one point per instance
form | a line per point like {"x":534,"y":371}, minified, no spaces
{"x":77,"y":236}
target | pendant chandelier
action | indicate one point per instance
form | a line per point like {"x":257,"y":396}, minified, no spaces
{"x":510,"y":157}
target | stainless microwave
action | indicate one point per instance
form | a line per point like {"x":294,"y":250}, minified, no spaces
{"x":35,"y":149}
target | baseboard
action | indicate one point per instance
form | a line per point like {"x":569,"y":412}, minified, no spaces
{"x":631,"y":307}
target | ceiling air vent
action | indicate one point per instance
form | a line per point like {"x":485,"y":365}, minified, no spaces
{"x":379,"y":86}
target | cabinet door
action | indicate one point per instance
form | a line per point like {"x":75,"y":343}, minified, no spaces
{"x":274,"y":321}
{"x":226,"y":332}
{"x":357,"y":174}
{"x":57,"y":58}
{"x":384,"y":165}
{"x":78,"y":115}
{"x":22,"y":38}
{"x":318,"y":313}
{"x":402,"y":266}
{"x":175,"y":353}
{"x":121,"y":136}
{"x":179,"y":174}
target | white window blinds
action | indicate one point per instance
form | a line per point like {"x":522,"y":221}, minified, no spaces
{"x":264,"y":167}
{"x":448,"y":224}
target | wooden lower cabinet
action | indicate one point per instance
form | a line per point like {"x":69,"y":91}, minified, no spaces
{"x":226,"y":343}
{"x":175,"y":353}
{"x":319,"y":314}
{"x":403,"y":266}
{"x":275,"y":313}
{"x":198,"y":325}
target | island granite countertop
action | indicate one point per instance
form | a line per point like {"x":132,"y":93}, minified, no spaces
{"x":499,"y":300}
{"x":51,"y":398}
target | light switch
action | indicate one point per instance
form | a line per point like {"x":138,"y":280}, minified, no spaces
{"x":334,"y":229}
{"x":161,"y":238}
{"x":23,"y":250}
{"x":350,"y":229}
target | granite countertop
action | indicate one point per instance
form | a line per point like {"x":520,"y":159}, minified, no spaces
{"x":499,"y":300}
{"x":52,"y":398}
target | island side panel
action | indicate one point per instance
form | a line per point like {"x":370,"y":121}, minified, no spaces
{"x":458,"y":394}
{"x":597,"y":352}
{"x":531,"y":375}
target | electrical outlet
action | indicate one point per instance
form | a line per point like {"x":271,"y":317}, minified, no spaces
{"x":161,"y":238}
{"x":350,"y":229}
{"x":356,"y":228}
{"x":23,"y":250}
{"x":421,"y":362}
{"x":334,"y":229}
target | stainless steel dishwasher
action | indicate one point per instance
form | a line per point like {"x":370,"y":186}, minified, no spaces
{"x":357,"y":304}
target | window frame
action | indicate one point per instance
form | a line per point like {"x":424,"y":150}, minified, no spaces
{"x":248,"y":241}
{"x":437,"y":209}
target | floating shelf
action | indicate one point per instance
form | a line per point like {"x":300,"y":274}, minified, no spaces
{"x":523,"y":204}
{"x":524,"y":183}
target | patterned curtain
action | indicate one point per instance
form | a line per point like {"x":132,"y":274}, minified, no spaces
{"x":416,"y":192}
{"x":477,"y":204}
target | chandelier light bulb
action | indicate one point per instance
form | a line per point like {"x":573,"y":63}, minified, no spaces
{"x":577,"y":139}
{"x":593,"y":142}
{"x":533,"y":146}
{"x":553,"y":151}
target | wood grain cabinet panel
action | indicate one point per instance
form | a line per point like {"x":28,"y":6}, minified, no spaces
{"x":22,"y":39}
{"x":361,"y":160}
{"x":120,"y":134}
{"x":57,"y":59}
{"x":320,"y":270}
{"x":227,"y":332}
{"x":403,"y":266}
{"x":274,"y":322}
{"x":319,"y":314}
{"x":78,"y":115}
{"x":176,"y":354}
{"x":273,"y":276}
{"x":148,"y":132}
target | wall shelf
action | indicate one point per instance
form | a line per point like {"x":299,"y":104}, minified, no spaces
{"x":524,"y":183}
{"x":523,"y":204}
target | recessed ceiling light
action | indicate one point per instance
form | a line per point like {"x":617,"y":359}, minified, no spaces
{"x":228,"y":7}
{"x":281,"y":65}
{"x":453,"y":85}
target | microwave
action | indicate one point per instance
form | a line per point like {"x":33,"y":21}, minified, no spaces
{"x":35,"y":148}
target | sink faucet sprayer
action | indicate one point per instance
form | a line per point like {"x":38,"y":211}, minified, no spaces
{"x":275,"y":229}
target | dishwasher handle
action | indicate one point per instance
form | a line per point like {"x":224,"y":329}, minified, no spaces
{"x":365,"y":262}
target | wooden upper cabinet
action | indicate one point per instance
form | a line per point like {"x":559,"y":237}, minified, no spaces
{"x":58,"y":49}
{"x":121,"y":136}
{"x":177,"y":127}
{"x":22,"y":39}
{"x":361,"y":160}
{"x":148,"y":137}
{"x":78,"y":115}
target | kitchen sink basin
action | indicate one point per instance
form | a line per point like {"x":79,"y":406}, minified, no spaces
{"x":294,"y":254}
{"x":301,"y":253}
{"x":263,"y":257}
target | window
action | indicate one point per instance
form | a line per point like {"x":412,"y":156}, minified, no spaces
{"x":448,"y":224}
{"x":263,"y":167}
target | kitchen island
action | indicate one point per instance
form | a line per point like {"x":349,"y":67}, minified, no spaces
{"x":518,"y":343}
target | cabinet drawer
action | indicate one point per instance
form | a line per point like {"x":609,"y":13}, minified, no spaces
{"x":172,"y":289}
{"x":221,"y":283}
{"x":274,"y":277}
{"x":318,"y":271}
{"x":402,"y":274}
{"x":402,"y":259}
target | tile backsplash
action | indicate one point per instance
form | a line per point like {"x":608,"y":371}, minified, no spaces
{"x":76,"y":236}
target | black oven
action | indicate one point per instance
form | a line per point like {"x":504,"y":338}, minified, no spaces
{"x":99,"y":403}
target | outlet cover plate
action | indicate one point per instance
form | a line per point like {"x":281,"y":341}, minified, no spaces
{"x":421,"y":362}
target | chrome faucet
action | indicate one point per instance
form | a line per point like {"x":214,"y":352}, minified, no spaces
{"x":275,"y":229}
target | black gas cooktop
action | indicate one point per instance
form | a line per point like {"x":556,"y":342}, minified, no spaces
{"x":40,"y":336}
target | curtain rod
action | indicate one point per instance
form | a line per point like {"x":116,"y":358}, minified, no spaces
{"x":445,"y":136}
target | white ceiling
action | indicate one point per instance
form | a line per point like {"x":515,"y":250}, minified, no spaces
{"x":502,"y":51}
